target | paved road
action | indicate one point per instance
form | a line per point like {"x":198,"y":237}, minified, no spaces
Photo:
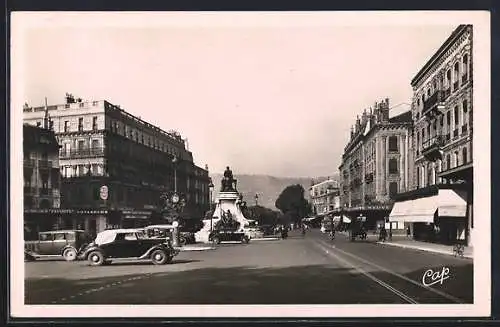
{"x":298,"y":270}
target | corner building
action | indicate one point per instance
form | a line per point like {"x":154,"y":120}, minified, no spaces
{"x":42,"y":183}
{"x":114,"y":166}
{"x":439,"y":207}
{"x":375,"y":165}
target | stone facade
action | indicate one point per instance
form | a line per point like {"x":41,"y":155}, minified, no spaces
{"x":103,"y":145}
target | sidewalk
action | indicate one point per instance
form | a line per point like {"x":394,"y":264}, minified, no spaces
{"x":426,"y":246}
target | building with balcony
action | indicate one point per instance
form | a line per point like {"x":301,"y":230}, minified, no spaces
{"x":114,"y":166}
{"x":442,"y":145}
{"x":42,"y":181}
{"x":324,"y":196}
{"x":376,"y":164}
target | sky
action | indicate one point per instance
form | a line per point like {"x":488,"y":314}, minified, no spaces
{"x":264,"y":98}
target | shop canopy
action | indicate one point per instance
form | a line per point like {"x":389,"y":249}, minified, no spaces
{"x":452,"y":204}
{"x":420,"y":210}
{"x":447,"y":203}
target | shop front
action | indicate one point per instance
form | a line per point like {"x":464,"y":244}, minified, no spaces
{"x":439,"y":217}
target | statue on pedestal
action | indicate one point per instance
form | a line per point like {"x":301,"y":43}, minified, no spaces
{"x":228,"y":181}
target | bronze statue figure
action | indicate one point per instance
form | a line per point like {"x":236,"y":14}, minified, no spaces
{"x":227,"y":184}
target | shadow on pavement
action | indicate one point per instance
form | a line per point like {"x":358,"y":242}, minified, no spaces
{"x":315,"y":284}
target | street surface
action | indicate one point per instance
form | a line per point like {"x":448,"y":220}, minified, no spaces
{"x":298,"y":270}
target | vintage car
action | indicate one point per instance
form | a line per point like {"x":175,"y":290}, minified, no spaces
{"x":65,"y":243}
{"x":162,"y":231}
{"x":128,"y":243}
{"x":221,"y":235}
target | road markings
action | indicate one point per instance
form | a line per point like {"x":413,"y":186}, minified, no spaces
{"x":370,"y":276}
{"x":107,"y":286}
{"x":435,"y":291}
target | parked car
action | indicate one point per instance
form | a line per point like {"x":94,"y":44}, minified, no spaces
{"x":60,"y":243}
{"x":128,"y":243}
{"x":166,"y":230}
{"x":218,"y":236}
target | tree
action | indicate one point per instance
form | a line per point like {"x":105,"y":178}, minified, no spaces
{"x":292,"y":203}
{"x":263,"y":215}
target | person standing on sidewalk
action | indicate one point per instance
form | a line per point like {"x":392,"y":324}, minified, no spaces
{"x":408,"y":232}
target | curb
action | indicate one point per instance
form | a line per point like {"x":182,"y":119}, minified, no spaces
{"x":204,"y":248}
{"x":424,"y":249}
{"x":265,"y":239}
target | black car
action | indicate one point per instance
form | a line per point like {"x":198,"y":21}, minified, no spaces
{"x":128,"y":243}
{"x":218,"y":236}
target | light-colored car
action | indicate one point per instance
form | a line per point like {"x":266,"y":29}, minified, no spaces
{"x":58,"y":243}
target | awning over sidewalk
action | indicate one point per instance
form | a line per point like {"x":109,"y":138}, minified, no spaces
{"x":418,"y":210}
{"x":452,"y":204}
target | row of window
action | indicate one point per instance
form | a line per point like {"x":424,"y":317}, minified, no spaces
{"x":448,"y":126}
{"x":427,"y":175}
{"x":142,"y":138}
{"x":461,"y":72}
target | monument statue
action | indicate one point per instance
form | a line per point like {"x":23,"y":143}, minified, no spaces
{"x":228,"y":181}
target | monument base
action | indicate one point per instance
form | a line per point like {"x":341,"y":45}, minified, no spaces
{"x":226,"y":201}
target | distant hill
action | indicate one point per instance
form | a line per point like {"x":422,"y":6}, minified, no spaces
{"x":268,"y":188}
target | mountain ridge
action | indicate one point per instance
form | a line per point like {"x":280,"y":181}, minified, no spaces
{"x":267,"y":187}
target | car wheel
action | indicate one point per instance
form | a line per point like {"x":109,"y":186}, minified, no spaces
{"x":159,"y":257}
{"x":216,"y":240}
{"x":182,"y":241}
{"x":69,"y":254}
{"x":96,"y":258}
{"x":245,"y":240}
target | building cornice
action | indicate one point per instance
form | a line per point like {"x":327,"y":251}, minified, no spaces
{"x":451,"y":43}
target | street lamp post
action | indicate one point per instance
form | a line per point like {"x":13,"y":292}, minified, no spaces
{"x":211,"y":187}
{"x":174,"y":161}
{"x":256,"y":199}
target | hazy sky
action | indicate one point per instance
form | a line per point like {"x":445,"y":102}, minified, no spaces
{"x":275,"y":100}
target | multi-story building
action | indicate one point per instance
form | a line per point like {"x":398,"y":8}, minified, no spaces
{"x":324,"y":196}
{"x":114,"y":165}
{"x":375,"y":164}
{"x":42,"y":181}
{"x":442,"y":145}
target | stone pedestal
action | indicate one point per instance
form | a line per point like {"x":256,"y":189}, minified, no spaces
{"x":225,"y":201}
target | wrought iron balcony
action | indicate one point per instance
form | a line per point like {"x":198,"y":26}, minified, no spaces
{"x":44,"y":164}
{"x":431,"y":148}
{"x":29,"y":163}
{"x":435,"y":103}
{"x":82,"y":153}
{"x":28,"y":190}
{"x":45,"y":191}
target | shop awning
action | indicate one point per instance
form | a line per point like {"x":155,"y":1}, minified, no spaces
{"x":452,"y":203}
{"x":418,"y":210}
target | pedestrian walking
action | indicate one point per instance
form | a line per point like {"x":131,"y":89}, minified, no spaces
{"x":408,"y":232}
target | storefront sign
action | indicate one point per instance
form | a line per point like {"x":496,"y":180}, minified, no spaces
{"x":50,"y":211}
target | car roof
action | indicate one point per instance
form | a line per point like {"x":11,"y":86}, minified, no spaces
{"x":160,"y":226}
{"x":120,"y":230}
{"x":64,"y":231}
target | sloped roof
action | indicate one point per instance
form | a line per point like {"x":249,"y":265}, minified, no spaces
{"x":405,"y":117}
